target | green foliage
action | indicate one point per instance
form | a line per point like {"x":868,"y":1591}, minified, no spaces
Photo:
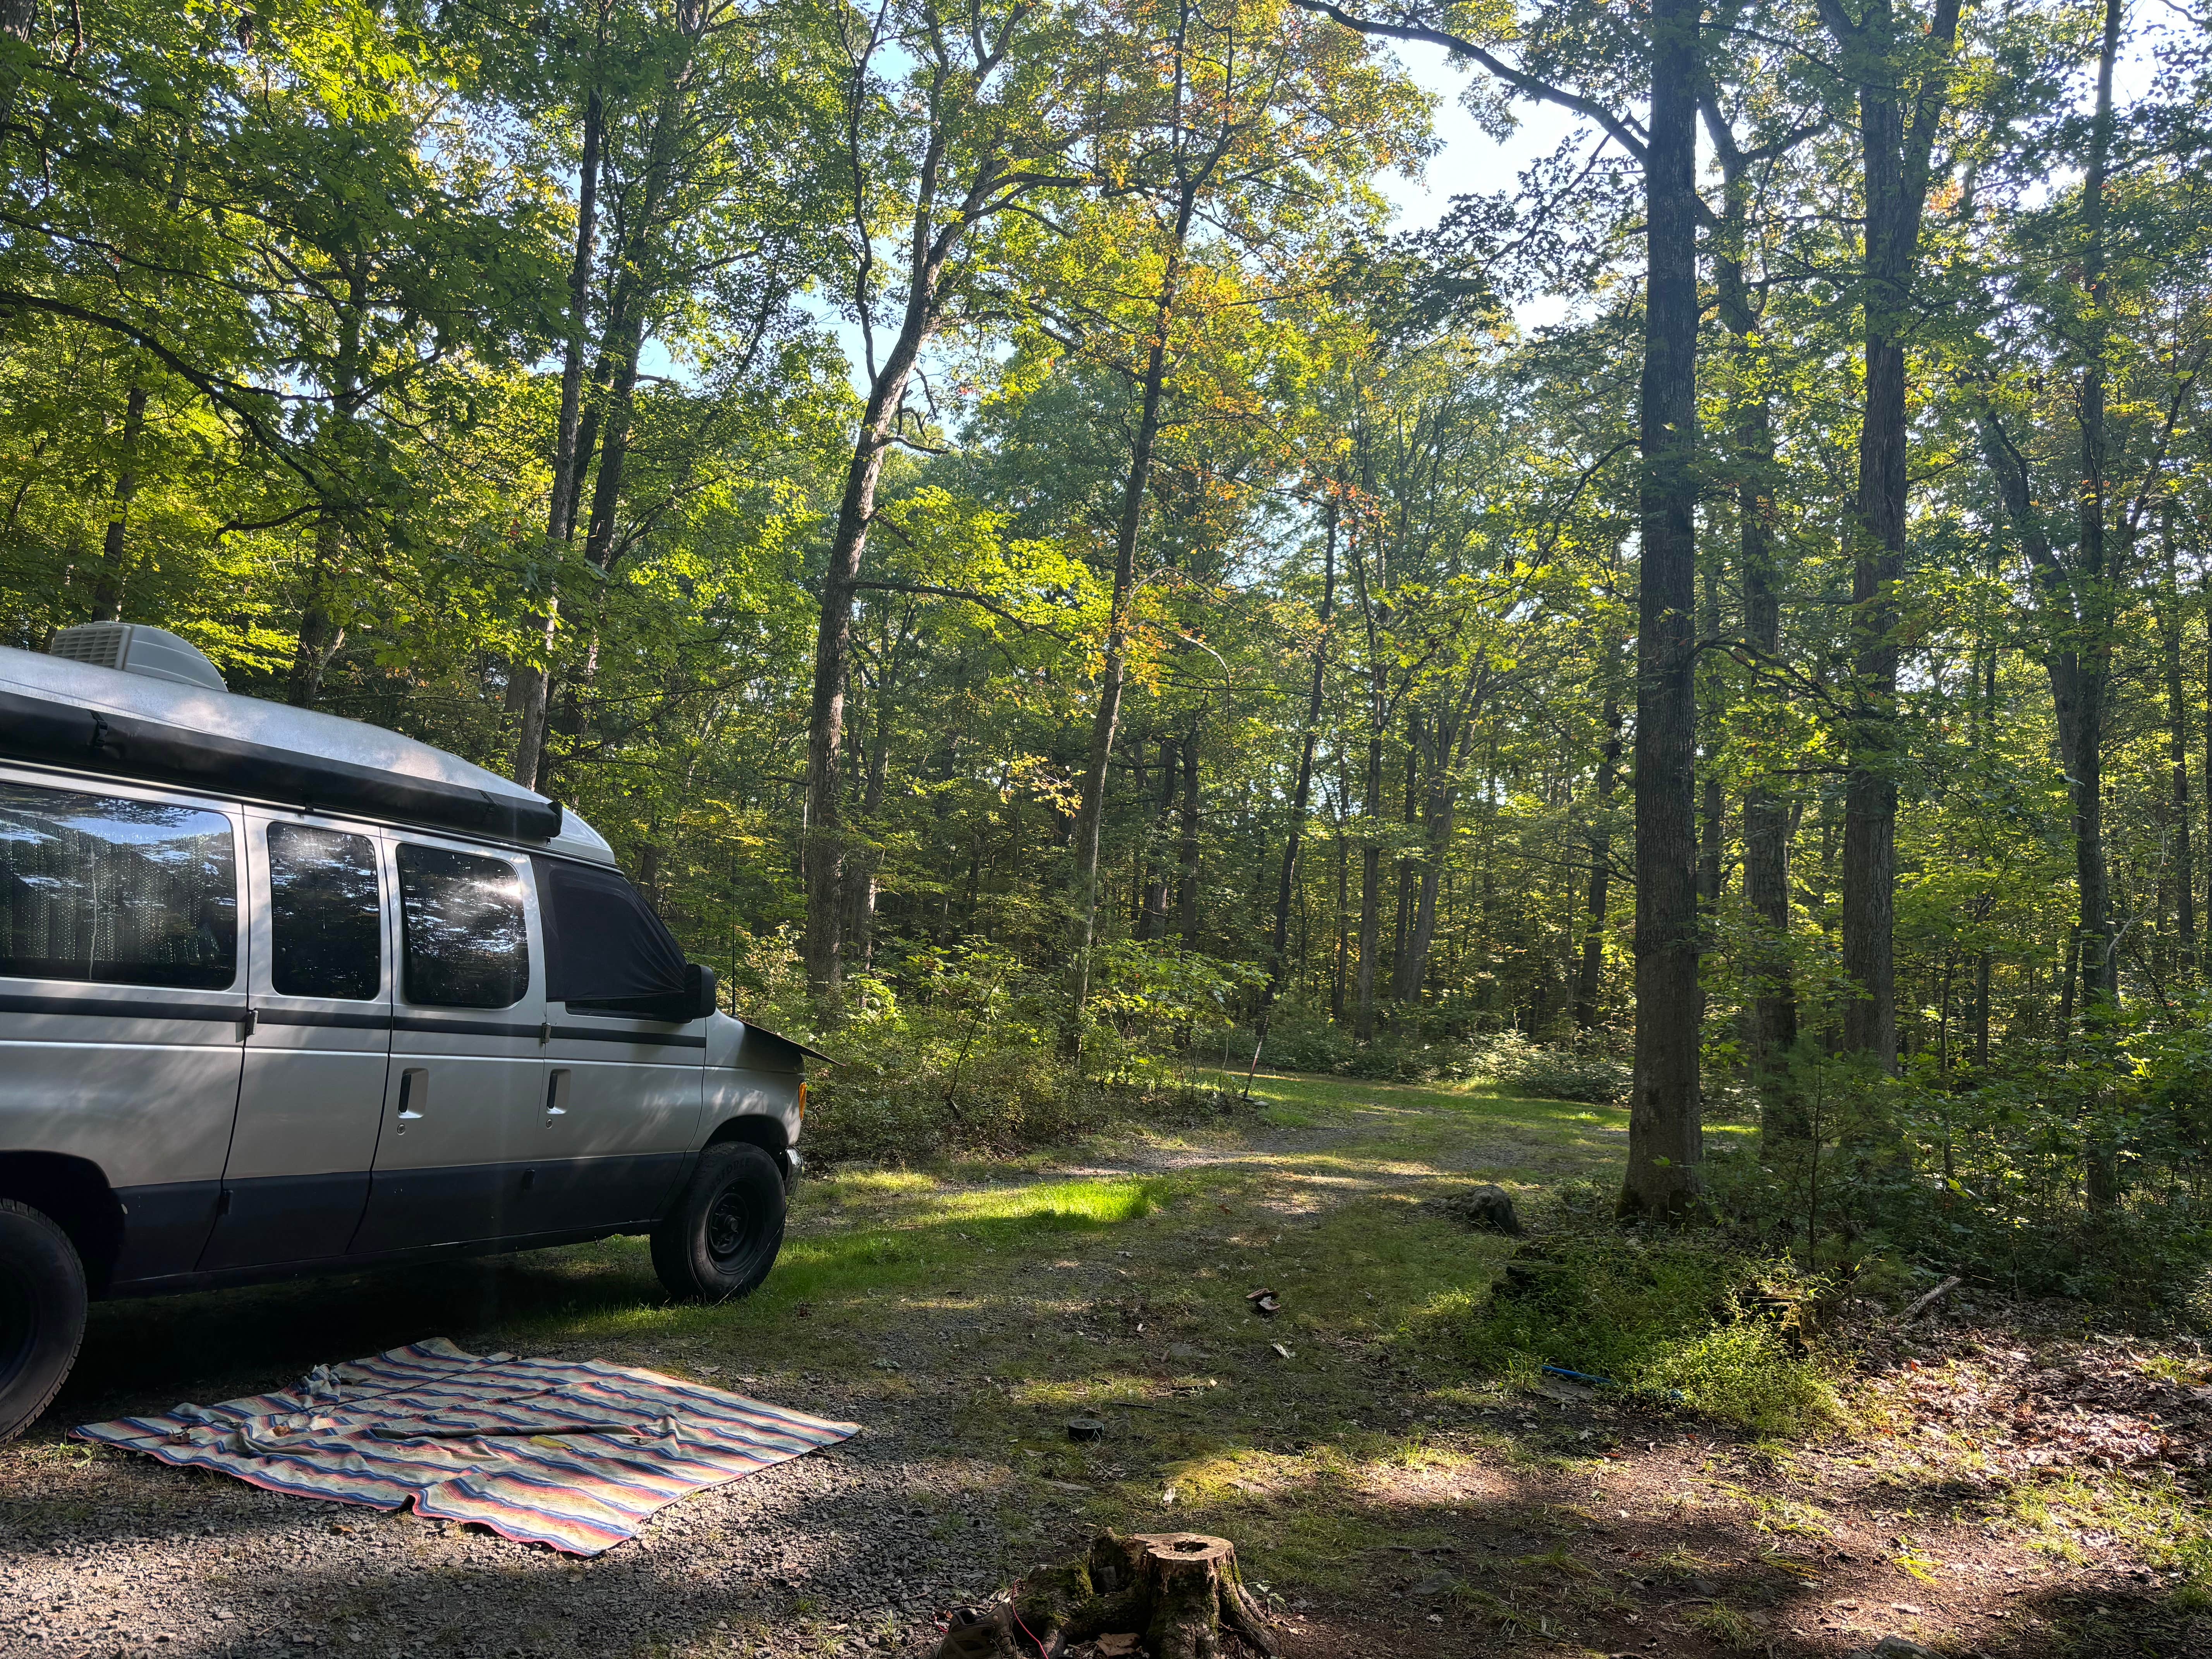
{"x":1585,"y":1072}
{"x":1985,"y":1177}
{"x":1681,"y":1319}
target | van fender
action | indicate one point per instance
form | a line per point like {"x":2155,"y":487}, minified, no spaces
{"x":74,"y":1193}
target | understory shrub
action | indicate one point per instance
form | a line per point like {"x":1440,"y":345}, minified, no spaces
{"x":1882,"y":1180}
{"x":1695,"y":1321}
{"x":1583,"y":1071}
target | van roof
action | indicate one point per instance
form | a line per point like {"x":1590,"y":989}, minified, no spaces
{"x":223,"y":742}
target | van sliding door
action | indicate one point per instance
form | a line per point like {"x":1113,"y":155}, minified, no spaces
{"x":461,"y":1096}
{"x":315,"y":1057}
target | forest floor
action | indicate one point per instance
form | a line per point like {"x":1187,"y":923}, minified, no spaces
{"x":2003,"y":1482}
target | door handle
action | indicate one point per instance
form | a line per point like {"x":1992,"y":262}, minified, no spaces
{"x":414,"y":1093}
{"x":556,"y":1094}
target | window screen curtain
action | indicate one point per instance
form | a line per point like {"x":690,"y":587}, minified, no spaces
{"x":602,"y":942}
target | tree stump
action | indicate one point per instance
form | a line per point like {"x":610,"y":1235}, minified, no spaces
{"x":1177,"y":1592}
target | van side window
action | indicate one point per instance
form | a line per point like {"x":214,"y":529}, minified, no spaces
{"x":116,"y":892}
{"x":467,"y":943}
{"x":326,"y":925}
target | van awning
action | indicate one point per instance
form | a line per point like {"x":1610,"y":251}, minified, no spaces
{"x":128,"y":746}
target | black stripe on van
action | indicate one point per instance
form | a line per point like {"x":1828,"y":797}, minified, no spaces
{"x":592,"y":1033}
{"x":120,"y":1008}
{"x":342,"y":1021}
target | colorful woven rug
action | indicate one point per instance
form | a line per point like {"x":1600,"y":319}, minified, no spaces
{"x":578,"y":1456}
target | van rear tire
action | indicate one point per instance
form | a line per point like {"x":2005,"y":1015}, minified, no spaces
{"x":42,"y":1306}
{"x":722,"y":1236}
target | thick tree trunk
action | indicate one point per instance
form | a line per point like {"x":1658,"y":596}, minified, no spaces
{"x":536,"y":680}
{"x":114,"y":554}
{"x":1666,"y":1137}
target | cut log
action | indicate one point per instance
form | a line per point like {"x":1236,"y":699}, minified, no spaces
{"x":1176,"y":1592}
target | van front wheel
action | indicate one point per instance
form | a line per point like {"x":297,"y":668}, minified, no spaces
{"x":41,"y":1314}
{"x":722,"y":1236}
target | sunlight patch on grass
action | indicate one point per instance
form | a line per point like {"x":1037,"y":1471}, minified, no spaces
{"x":1071,"y":1204}
{"x":902,"y":1183}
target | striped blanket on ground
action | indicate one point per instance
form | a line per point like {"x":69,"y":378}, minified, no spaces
{"x":578,"y":1456}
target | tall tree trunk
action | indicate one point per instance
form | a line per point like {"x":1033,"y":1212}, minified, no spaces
{"x":568,"y":462}
{"x":114,"y":555}
{"x":1666,"y":1135}
{"x":824,"y":853}
{"x":1711,"y":809}
{"x":1438,"y":812}
{"x":2177,"y":715}
{"x":1589,"y":978}
{"x":1090,"y":814}
{"x":1300,"y":792}
{"x":1336,"y":984}
{"x":1877,"y":55}
{"x":1401,"y":937}
{"x":2100,"y":953}
{"x":1186,"y":850}
{"x":1153,"y":923}
{"x":1773,"y":1023}
{"x":938,"y":224}
{"x":1370,"y":893}
{"x":2100,"y":949}
{"x":320,"y":636}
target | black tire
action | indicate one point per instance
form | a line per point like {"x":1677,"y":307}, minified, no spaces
{"x":722,"y":1236}
{"x":42,"y":1301}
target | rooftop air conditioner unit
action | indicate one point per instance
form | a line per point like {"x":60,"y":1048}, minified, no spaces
{"x":137,"y":649}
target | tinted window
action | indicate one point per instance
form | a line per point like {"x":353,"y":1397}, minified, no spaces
{"x":466,"y":945}
{"x":122,"y":892}
{"x":326,"y":926}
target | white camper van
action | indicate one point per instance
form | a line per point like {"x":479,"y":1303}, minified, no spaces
{"x":283,"y":993}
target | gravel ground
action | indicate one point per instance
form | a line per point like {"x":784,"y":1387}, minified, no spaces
{"x":1483,"y":1534}
{"x":850,"y":1549}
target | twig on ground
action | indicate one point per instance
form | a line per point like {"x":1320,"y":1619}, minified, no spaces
{"x":1951,"y":1282}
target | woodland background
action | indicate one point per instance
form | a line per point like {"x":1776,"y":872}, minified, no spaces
{"x":1044,"y":586}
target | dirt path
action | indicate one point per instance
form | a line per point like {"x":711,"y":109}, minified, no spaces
{"x":965,"y":1318}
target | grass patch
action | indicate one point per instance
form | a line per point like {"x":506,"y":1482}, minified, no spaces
{"x":1681,"y":1319}
{"x":1724,"y":1626}
{"x":2155,"y":1517}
